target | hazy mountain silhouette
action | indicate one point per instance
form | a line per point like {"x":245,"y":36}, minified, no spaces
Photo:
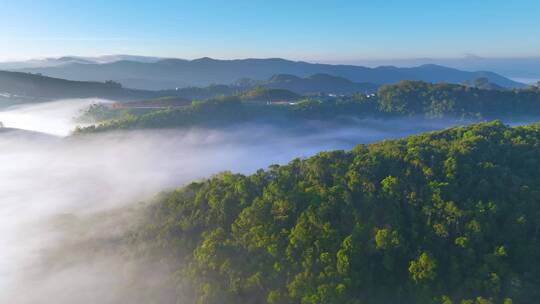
{"x":205,"y":71}
{"x":31,"y":87}
{"x":522,"y":69}
{"x":57,"y":61}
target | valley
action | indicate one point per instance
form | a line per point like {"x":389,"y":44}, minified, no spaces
{"x":269,"y":152}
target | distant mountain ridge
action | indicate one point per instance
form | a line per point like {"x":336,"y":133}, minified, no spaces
{"x":24,"y":87}
{"x":17,"y":87}
{"x":57,"y":61}
{"x":163,"y":73}
{"x":526,"y":69}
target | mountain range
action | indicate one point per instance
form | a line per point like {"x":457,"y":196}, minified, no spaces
{"x":28,"y":87}
{"x":17,"y":87}
{"x":24,"y":87}
{"x":157,"y":74}
{"x":58,"y":61}
{"x":522,"y":69}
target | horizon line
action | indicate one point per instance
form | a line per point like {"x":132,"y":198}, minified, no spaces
{"x":346,"y":61}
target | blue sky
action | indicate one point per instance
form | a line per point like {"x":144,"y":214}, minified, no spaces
{"x":332,"y":30}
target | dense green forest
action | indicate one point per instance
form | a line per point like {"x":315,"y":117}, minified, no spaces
{"x":443,"y":100}
{"x":406,"y":99}
{"x":317,"y":83}
{"x":445,"y":217}
{"x":263,"y":94}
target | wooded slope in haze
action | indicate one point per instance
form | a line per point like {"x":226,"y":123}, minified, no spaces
{"x":444,"y":217}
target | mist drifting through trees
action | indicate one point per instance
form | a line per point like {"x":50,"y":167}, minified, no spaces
{"x":46,"y":177}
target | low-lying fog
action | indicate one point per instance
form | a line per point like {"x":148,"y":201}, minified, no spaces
{"x":43,"y":176}
{"x":52,"y":117}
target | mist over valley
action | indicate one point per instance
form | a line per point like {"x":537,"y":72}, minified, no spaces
{"x":269,"y":152}
{"x":48,"y":175}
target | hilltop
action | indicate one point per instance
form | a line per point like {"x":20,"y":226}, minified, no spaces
{"x":443,"y":217}
{"x":318,"y":83}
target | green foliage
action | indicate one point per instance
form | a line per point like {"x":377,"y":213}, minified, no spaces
{"x":358,"y":227}
{"x":386,"y":239}
{"x":260,"y":93}
{"x":99,"y":112}
{"x":423,"y":269}
{"x":407,"y":98}
{"x":450,"y":100}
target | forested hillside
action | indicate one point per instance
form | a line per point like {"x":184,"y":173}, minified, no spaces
{"x":318,"y":83}
{"x":33,"y":87}
{"x":438,"y":100}
{"x":445,"y":217}
{"x":265,"y":95}
{"x":406,"y":99}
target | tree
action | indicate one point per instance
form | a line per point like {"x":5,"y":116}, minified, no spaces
{"x":423,"y":269}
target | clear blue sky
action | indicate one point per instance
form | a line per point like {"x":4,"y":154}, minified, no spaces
{"x":331,"y":30}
